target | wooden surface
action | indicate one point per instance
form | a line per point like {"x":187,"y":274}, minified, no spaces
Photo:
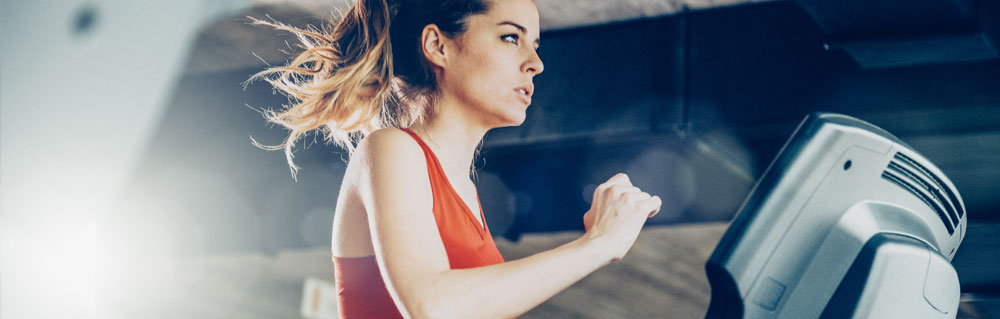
{"x":662,"y":276}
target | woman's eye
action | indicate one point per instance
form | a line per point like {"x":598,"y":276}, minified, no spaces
{"x":510,"y":38}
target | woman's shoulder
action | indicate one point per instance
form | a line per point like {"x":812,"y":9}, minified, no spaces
{"x":389,"y":139}
{"x":390,"y":134}
{"x":390,"y":158}
{"x":388,"y":146}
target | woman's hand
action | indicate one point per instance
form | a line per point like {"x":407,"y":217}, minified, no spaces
{"x":617,"y":214}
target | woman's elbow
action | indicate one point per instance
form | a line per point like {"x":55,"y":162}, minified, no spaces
{"x":426,"y":308}
{"x":422,"y":296}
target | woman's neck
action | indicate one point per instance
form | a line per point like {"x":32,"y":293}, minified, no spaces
{"x":452,"y":136}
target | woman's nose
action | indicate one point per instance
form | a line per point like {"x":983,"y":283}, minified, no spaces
{"x":534,"y":64}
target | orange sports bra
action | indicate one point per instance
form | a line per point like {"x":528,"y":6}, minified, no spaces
{"x":360,"y":290}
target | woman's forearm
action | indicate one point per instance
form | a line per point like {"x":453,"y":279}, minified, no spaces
{"x":509,"y":289}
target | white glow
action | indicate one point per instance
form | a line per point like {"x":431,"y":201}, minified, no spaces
{"x":90,"y":267}
{"x":57,"y":270}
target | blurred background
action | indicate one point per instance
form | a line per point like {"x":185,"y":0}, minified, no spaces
{"x":131,"y":189}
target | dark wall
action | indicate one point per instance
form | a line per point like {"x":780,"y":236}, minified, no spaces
{"x":746,"y":75}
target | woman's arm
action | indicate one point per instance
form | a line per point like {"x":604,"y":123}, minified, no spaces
{"x":415,"y":267}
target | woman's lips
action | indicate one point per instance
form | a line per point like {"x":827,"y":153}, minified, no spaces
{"x":524,"y":92}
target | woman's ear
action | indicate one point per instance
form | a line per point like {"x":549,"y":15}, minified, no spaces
{"x":432,"y":44}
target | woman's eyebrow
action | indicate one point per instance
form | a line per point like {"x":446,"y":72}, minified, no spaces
{"x":518,"y":26}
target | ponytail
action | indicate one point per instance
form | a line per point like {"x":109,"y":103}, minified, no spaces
{"x":339,"y":84}
{"x":344,"y":83}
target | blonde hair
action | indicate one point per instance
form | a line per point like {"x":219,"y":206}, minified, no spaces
{"x":339,"y":89}
{"x":348,"y":82}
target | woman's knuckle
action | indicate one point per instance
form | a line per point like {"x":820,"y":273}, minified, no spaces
{"x":614,"y":189}
{"x":604,"y":190}
{"x":624,"y":195}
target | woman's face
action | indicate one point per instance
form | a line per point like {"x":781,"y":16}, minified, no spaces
{"x":495,"y":61}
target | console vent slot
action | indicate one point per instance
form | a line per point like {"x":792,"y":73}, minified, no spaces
{"x":941,"y":189}
{"x":916,"y":179}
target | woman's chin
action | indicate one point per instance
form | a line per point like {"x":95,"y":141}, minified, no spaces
{"x":508,"y":117}
{"x":515,"y":119}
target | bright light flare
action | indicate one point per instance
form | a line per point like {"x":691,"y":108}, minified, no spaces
{"x":55,"y":271}
{"x":89,"y":271}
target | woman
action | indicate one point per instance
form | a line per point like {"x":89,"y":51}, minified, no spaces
{"x":410,"y":88}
